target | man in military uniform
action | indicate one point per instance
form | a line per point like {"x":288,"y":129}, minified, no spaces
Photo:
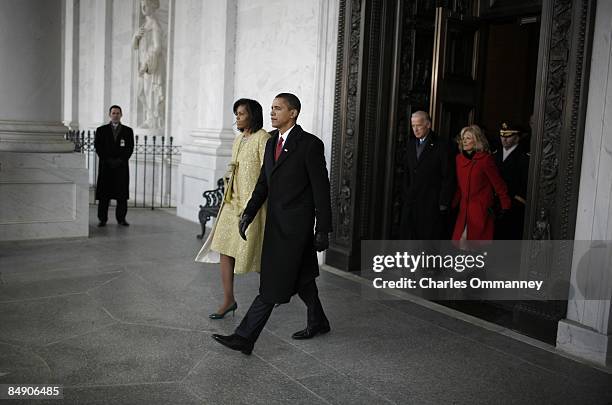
{"x":513,"y":163}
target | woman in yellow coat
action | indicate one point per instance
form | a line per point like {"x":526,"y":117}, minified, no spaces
{"x":236,"y":255}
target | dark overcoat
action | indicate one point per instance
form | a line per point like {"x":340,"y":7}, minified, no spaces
{"x":515,"y":172}
{"x":114,"y":154}
{"x":478,"y":181}
{"x":429,"y":184}
{"x":297,"y":190}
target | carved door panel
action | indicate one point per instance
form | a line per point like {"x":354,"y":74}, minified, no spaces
{"x":415,"y":39}
{"x":456,"y":83}
{"x":383,"y":74}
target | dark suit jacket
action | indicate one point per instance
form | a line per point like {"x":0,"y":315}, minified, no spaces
{"x":429,"y":184}
{"x":514,"y":170}
{"x":297,"y":190}
{"x":114,"y":154}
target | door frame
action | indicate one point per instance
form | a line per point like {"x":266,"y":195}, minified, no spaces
{"x":365,"y":127}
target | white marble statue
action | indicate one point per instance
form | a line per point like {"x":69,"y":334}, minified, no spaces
{"x":148,"y":41}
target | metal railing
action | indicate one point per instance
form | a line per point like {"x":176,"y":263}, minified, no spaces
{"x":152,"y":167}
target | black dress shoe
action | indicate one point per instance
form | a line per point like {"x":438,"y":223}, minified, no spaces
{"x":311,"y":332}
{"x":234,"y":342}
{"x":101,"y":224}
{"x":123,"y":223}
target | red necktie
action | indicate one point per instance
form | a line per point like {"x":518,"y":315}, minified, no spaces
{"x":279,"y":148}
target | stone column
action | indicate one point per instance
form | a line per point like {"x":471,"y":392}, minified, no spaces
{"x":207,"y":151}
{"x":587,"y":330}
{"x":70,"y":55}
{"x":43,"y":185}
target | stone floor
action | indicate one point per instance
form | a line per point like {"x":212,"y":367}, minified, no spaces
{"x":122,"y":318}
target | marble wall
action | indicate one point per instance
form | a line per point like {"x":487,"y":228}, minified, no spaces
{"x":122,"y":58}
{"x":183,"y":97}
{"x":23,"y":63}
{"x":70,"y":75}
{"x":87,"y":115}
{"x":277,"y":51}
{"x":253,"y":49}
{"x":587,"y":331}
{"x":293,"y":51}
{"x":207,"y":144}
{"x":218,"y":51}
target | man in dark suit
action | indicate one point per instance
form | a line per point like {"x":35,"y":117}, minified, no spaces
{"x":513,"y":164}
{"x":429,"y":185}
{"x":114,"y":144}
{"x":294,"y":180}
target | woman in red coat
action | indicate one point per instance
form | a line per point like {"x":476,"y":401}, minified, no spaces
{"x":477,"y":180}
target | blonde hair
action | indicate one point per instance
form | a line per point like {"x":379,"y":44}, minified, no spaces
{"x":480,"y":141}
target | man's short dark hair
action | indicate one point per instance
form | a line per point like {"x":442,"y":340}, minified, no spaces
{"x":255,"y":113}
{"x":292,"y":101}
{"x":114,"y":106}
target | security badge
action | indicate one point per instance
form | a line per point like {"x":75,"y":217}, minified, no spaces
{"x":122,"y":143}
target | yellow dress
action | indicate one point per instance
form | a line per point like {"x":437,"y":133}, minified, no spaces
{"x":247,"y":159}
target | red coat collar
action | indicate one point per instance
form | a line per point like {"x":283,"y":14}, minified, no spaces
{"x":477,"y":156}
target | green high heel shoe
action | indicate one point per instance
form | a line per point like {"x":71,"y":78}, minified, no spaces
{"x":231,"y":308}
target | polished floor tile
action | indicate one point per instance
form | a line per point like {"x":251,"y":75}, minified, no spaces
{"x":121,"y":317}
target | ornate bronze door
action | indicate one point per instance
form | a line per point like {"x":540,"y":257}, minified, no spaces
{"x":384,"y":73}
{"x":456,"y":79}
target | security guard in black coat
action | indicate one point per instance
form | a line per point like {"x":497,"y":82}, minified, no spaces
{"x":114,"y":143}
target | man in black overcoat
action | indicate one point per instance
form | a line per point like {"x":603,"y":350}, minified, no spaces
{"x":114,"y":144}
{"x":429,"y":185}
{"x":513,"y":163}
{"x":294,"y":180}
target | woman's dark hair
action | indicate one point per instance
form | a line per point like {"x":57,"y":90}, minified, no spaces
{"x":255,"y":113}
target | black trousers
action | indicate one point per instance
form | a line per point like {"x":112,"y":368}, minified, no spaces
{"x":256,"y":317}
{"x":120,"y":211}
{"x":418,"y":224}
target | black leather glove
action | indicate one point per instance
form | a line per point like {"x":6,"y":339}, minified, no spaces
{"x":243,"y":224}
{"x":321,"y":241}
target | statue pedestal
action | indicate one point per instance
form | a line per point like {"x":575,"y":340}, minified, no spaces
{"x":149,"y":132}
{"x":43,"y":195}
